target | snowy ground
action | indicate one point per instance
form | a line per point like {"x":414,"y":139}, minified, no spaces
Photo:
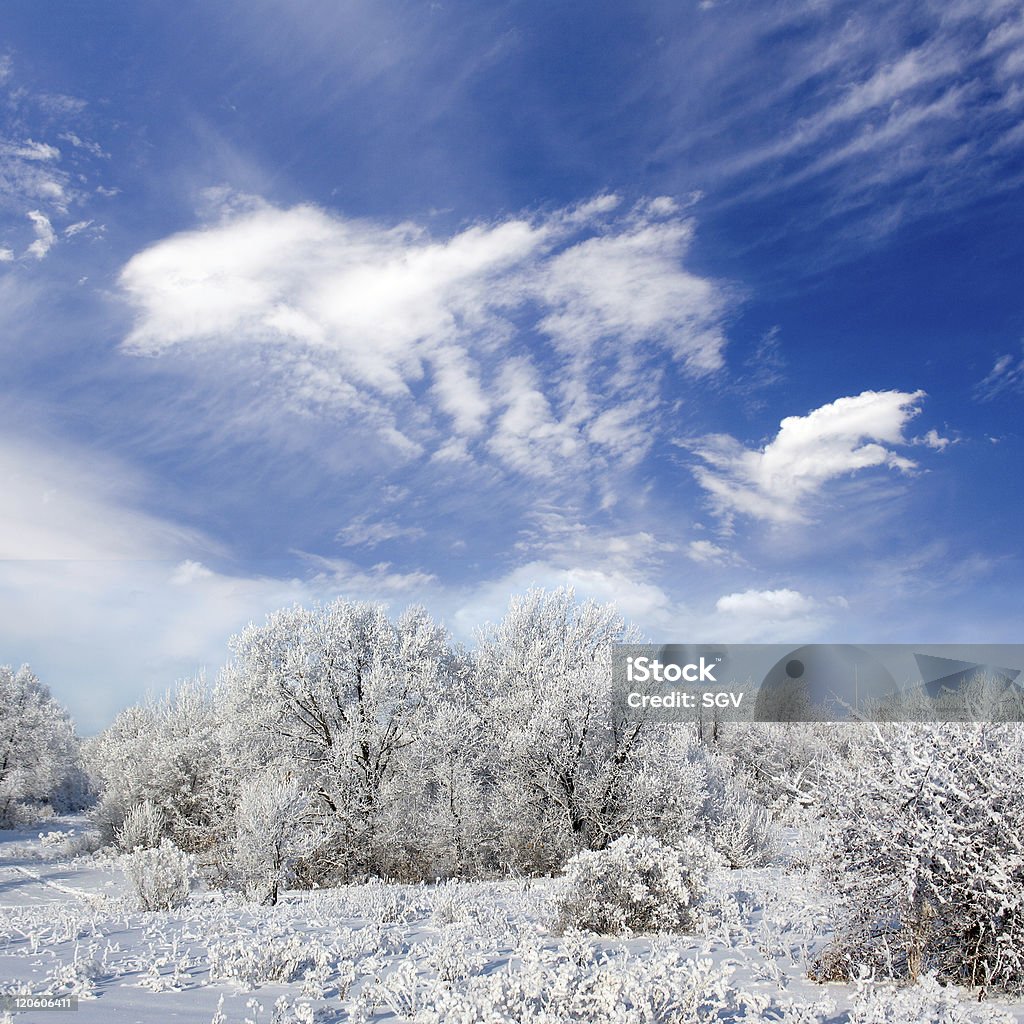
{"x":470,"y":952}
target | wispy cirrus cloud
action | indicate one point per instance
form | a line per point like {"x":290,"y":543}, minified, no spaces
{"x":76,"y":505}
{"x":707,"y":552}
{"x":841,"y":102}
{"x":137,"y":603}
{"x":538,"y":342}
{"x":367,"y":531}
{"x":783,"y":481}
{"x":1006,"y":376}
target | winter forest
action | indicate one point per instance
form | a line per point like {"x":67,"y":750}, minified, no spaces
{"x":360,"y":820}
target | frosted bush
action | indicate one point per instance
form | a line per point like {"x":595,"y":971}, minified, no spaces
{"x":453,"y":956}
{"x":259,"y":960}
{"x":78,"y":978}
{"x":669,"y":989}
{"x":927,"y":1002}
{"x":736,"y":822}
{"x":288,"y":1011}
{"x":637,"y":884}
{"x":67,"y":845}
{"x":450,"y":902}
{"x":924,"y":846}
{"x":745,"y":834}
{"x":161,"y":878}
{"x":386,"y":903}
{"x":142,"y":828}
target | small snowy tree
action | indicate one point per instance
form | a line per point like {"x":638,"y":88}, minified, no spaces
{"x":39,"y":763}
{"x":270,"y":834}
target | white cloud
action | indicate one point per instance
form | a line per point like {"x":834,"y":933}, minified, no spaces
{"x":73,"y":229}
{"x":106,"y":600}
{"x":636,"y":599}
{"x":528,"y":436}
{"x":189,"y":572}
{"x":706,"y":551}
{"x":781,"y":481}
{"x":1006,"y":375}
{"x":381,"y":582}
{"x":888,"y":89}
{"x":753,"y":616}
{"x":34,"y":174}
{"x":933,"y":439}
{"x":853,"y":105}
{"x":366,"y":532}
{"x":79,"y":143}
{"x":624,"y":430}
{"x":630,"y":287}
{"x":32,"y":150}
{"x":46,"y":237}
{"x":76,"y":505}
{"x":434,"y":342}
{"x":453,"y":450}
{"x":774,"y":605}
{"x":102,"y":597}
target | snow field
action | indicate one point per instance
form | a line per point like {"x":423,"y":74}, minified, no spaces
{"x":454,"y":952}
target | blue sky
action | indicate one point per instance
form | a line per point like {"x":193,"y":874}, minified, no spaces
{"x":710,"y":309}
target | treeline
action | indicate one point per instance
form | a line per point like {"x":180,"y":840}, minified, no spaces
{"x":339,"y":744}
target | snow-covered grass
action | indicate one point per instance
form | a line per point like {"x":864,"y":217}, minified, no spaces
{"x":452,"y":952}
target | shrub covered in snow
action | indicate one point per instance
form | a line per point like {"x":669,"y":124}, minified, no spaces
{"x":259,"y":960}
{"x":661,"y":989}
{"x":737,"y":823}
{"x":926,"y":1002}
{"x":161,"y":878}
{"x":637,"y":884}
{"x":142,"y":828}
{"x":926,"y":843}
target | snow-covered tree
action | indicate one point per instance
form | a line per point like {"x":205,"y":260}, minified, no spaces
{"x":270,"y":834}
{"x":164,"y":755}
{"x":564,"y":752}
{"x":337,"y":696}
{"x":39,"y":765}
{"x":443,"y":812}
